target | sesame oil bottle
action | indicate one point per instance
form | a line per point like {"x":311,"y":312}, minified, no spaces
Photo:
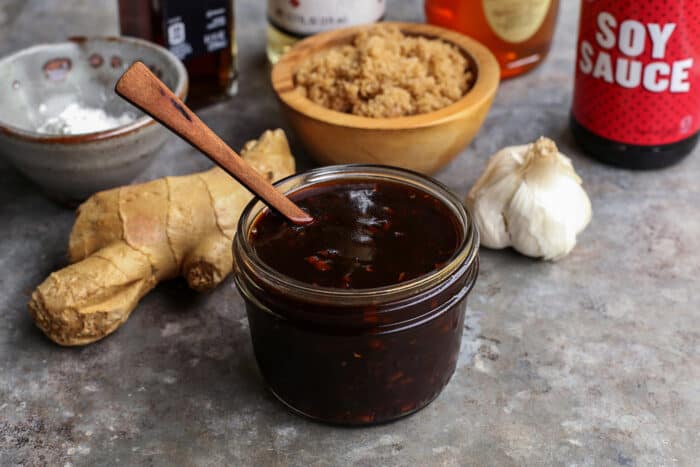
{"x":200,"y":33}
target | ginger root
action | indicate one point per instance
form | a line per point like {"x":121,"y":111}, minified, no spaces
{"x":126,"y":240}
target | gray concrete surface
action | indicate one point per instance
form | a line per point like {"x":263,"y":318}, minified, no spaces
{"x":590,"y":361}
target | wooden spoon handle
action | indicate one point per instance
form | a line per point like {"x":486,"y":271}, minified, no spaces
{"x":141,"y":87}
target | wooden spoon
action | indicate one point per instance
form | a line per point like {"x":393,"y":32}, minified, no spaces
{"x":141,"y":87}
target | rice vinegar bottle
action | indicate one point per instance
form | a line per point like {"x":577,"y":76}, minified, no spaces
{"x":292,"y":20}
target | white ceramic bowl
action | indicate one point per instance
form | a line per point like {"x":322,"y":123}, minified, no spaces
{"x":40,"y":82}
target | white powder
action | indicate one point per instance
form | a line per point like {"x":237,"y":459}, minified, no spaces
{"x":76,"y":119}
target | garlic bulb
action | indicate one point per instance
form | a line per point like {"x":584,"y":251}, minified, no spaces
{"x":529,"y":197}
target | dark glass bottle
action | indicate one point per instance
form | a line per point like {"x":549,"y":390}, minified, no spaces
{"x":631,"y":156}
{"x":637,"y":91}
{"x":201,"y":34}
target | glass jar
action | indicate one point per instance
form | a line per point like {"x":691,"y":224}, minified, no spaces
{"x":359,"y":356}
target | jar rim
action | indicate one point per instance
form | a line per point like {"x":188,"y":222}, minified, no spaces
{"x":465,"y":253}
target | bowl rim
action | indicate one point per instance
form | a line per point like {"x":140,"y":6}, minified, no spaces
{"x":484,"y":87}
{"x":181,"y":88}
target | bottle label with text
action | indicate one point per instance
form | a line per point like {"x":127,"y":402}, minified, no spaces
{"x":516,"y":21}
{"x":306,"y":17}
{"x":196,"y":28}
{"x":637,"y":71}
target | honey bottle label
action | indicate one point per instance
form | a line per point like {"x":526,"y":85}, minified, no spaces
{"x":305,"y":17}
{"x":637,"y":76}
{"x":515,"y":20}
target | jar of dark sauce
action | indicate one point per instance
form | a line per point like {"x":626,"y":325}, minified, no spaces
{"x":357,"y":317}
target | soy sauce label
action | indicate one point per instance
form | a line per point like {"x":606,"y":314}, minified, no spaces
{"x":637,"y":71}
{"x":193,"y":28}
{"x":305,"y":17}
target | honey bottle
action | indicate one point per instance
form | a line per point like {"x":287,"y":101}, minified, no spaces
{"x":518,"y":32}
{"x":200,"y":33}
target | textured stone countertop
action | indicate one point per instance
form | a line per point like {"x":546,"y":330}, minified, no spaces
{"x":594,"y":360}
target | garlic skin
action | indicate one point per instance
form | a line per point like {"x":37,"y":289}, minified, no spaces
{"x":529,"y":197}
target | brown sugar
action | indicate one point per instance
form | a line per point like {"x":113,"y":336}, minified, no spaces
{"x":385,"y":73}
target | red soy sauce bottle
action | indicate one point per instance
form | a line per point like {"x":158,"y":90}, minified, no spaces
{"x":637,"y":88}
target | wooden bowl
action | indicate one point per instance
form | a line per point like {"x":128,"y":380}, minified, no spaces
{"x":423,"y":143}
